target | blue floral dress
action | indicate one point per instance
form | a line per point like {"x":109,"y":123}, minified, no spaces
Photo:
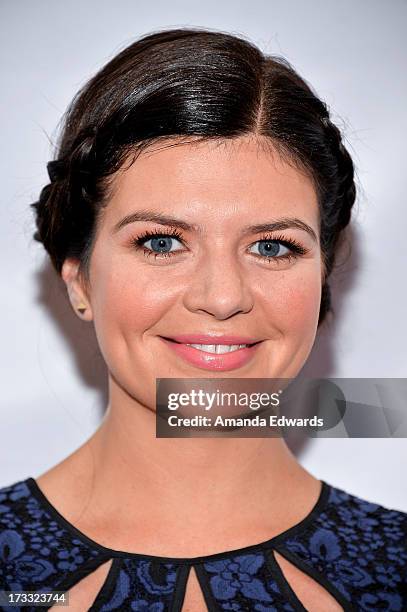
{"x":355,"y":549}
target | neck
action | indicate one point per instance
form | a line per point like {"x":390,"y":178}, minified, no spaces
{"x":191,"y":477}
{"x":223,"y":489}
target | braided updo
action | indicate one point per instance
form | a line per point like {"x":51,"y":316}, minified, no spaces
{"x":198,"y":84}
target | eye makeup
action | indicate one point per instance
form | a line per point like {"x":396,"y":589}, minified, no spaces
{"x":294,"y":248}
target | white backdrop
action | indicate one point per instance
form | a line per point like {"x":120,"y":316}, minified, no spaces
{"x":53,"y":385}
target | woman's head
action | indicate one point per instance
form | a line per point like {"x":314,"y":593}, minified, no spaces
{"x":202,"y":127}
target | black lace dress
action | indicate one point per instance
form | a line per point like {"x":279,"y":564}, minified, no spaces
{"x":355,"y":549}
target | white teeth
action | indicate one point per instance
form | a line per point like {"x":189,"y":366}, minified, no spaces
{"x":218,"y":348}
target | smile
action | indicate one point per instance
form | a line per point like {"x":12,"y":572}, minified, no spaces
{"x":218,"y":348}
{"x":228,"y":355}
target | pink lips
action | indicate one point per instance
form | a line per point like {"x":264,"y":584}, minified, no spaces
{"x":212,"y":361}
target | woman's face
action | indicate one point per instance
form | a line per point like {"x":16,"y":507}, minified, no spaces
{"x":203,"y":269}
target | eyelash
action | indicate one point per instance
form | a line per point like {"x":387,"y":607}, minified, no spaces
{"x":296,"y":248}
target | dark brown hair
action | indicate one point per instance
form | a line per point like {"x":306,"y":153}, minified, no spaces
{"x":194,"y":83}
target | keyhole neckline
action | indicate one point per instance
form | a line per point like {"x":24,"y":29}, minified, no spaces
{"x":110,"y":552}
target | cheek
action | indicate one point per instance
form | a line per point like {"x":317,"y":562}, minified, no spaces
{"x":294,"y":302}
{"x":293,"y":311}
{"x":302,"y":302}
{"x":143,"y":305}
{"x":129,"y":299}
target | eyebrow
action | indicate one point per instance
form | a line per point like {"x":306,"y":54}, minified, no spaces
{"x":167,"y":220}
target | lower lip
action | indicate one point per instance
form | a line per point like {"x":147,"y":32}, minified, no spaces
{"x":213,"y":361}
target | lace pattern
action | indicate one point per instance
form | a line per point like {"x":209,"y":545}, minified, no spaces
{"x":355,"y":549}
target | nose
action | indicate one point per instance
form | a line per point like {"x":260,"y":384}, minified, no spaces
{"x":218,"y":287}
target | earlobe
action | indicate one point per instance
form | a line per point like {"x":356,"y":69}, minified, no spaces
{"x":84,"y":309}
{"x":77,"y":296}
{"x":81,"y":308}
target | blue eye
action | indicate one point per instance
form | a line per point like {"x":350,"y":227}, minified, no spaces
{"x":161,"y":244}
{"x":271,"y":248}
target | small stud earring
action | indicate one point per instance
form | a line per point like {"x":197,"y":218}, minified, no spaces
{"x":81,"y":308}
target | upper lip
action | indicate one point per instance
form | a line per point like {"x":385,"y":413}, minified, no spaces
{"x":212,"y":339}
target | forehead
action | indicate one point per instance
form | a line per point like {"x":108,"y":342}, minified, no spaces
{"x":214,"y":179}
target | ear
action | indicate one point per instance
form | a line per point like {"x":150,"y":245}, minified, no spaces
{"x":76,"y":289}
